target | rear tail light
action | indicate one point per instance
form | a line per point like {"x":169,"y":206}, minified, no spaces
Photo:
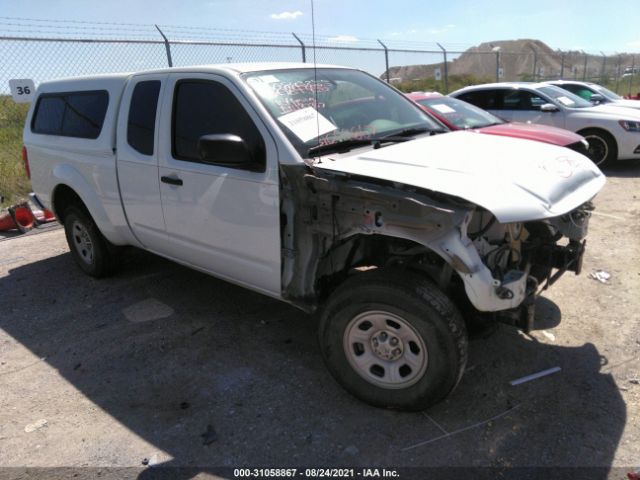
{"x":25,"y":159}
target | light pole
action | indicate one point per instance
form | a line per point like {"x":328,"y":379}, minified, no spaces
{"x":535,"y":62}
{"x":497,"y":52}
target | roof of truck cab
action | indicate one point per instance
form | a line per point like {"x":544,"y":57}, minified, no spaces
{"x":251,"y":67}
{"x":90,"y":81}
{"x":233,"y":68}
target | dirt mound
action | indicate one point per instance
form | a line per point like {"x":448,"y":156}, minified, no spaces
{"x":518,"y":62}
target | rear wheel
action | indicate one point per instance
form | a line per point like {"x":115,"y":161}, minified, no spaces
{"x":93,"y":253}
{"x":393,"y":340}
{"x":602,"y":146}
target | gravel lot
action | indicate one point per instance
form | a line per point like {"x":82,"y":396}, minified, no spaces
{"x":142,"y":365}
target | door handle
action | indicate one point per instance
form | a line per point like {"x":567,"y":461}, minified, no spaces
{"x":171,"y":180}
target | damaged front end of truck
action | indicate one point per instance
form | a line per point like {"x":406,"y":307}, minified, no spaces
{"x":337,"y":222}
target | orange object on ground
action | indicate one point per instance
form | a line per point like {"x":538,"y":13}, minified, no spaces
{"x":23,"y":217}
{"x":6,"y":222}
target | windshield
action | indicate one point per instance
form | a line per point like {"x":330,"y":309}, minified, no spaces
{"x":462,"y":114}
{"x":331,"y":105}
{"x":564,"y":97}
{"x":605,"y":92}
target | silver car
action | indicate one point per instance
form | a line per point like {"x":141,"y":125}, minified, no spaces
{"x":594,"y":93}
{"x":613,"y":132}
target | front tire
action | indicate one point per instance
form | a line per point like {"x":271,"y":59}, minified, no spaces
{"x":602,"y":146}
{"x":93,"y":253}
{"x":393,"y":340}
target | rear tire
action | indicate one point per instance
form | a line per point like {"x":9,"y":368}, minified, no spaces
{"x":603,"y":148}
{"x":93,"y":253}
{"x":393,"y":340}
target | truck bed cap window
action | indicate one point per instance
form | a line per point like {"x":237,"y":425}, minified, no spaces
{"x":71,"y":114}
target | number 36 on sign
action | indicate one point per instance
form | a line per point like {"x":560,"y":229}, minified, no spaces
{"x":22,"y":90}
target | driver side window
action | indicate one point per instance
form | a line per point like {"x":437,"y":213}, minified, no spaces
{"x":204,"y":107}
{"x":580,"y":91}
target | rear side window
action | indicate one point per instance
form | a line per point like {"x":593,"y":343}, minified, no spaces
{"x":486,"y":99}
{"x":71,"y":114}
{"x":206,"y":107}
{"x":142,"y":116}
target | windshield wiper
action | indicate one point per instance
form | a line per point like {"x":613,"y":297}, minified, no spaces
{"x":409,"y":132}
{"x":351,"y":143}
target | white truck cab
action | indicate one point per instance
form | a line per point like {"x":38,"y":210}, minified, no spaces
{"x":322,"y":187}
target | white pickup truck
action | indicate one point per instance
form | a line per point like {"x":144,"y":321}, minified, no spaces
{"x":322,"y":187}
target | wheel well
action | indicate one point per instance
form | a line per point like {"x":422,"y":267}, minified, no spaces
{"x":601,"y":131}
{"x":63,"y":198}
{"x":360,"y":253}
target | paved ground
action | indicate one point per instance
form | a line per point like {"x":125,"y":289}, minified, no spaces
{"x":141,"y":365}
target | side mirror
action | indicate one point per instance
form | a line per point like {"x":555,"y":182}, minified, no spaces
{"x":225,"y":149}
{"x":596,"y":98}
{"x":549,"y":107}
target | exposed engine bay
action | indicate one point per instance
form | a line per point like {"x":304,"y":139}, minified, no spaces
{"x":336,"y":225}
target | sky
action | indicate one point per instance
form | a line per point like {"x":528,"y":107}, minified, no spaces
{"x":593,"y":26}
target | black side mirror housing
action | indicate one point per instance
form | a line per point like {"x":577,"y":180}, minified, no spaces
{"x":596,"y":99}
{"x":227,"y":150}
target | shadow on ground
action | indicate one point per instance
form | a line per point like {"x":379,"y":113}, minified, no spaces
{"x":249,"y":367}
{"x":623,"y":169}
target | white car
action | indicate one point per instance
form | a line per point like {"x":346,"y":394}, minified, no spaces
{"x":612,"y":132}
{"x":594,"y":93}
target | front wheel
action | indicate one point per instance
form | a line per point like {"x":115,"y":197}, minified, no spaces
{"x":393,"y":340}
{"x":602,"y":146}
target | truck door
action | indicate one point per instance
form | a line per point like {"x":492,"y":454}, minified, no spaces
{"x":220,"y":218}
{"x":137,"y":160}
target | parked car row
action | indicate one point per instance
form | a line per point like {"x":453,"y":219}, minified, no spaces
{"x":460,"y":115}
{"x":609,"y":123}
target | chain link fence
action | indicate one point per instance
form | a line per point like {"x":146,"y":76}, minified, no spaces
{"x":42,"y":50}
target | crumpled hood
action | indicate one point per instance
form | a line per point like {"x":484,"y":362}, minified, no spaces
{"x":516,"y":180}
